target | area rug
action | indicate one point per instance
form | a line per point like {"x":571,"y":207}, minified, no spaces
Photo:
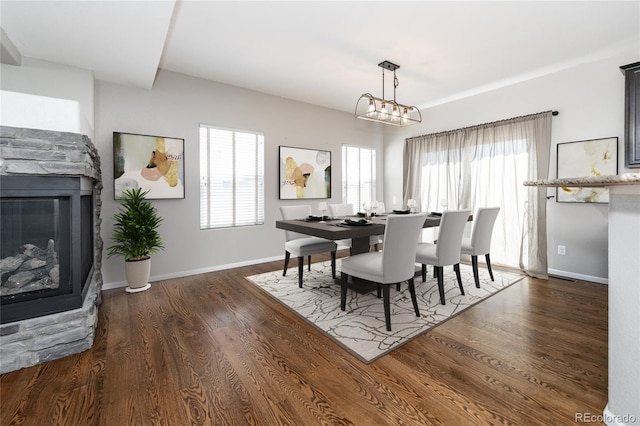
{"x":361,"y":327}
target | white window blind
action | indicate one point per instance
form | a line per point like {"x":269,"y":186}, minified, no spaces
{"x":358,"y":175}
{"x":231,"y":178}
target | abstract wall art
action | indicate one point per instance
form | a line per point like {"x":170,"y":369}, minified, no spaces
{"x":153,"y":163}
{"x":596,"y":157}
{"x":304,"y":173}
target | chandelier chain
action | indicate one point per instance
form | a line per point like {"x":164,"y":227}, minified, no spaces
{"x":396,"y":83}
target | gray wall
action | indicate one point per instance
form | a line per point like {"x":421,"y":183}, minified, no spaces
{"x":175,"y":107}
{"x":589,"y":96}
{"x":590,"y":99}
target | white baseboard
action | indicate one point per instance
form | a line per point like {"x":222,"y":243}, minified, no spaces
{"x":582,"y":277}
{"x":118,"y":284}
{"x":611,"y":419}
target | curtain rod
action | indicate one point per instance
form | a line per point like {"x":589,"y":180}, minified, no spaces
{"x":553,"y":113}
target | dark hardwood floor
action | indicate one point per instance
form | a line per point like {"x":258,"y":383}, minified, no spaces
{"x":213,"y":349}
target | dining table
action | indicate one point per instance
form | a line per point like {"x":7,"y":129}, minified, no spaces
{"x":357,"y":228}
{"x":348,"y":227}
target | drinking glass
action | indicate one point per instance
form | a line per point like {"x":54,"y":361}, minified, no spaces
{"x":374,"y":206}
{"x":322,"y":206}
{"x":411,"y":203}
{"x":367,"y":209}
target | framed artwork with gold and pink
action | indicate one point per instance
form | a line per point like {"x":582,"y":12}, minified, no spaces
{"x":304,"y":173}
{"x":153,"y":163}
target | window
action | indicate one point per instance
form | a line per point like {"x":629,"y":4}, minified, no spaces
{"x":486,"y":165}
{"x":358,"y":175}
{"x":231,"y":178}
{"x":451,"y":179}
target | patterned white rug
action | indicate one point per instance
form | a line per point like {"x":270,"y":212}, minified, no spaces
{"x":361,"y":327}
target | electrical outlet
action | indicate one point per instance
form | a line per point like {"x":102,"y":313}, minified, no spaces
{"x":562,"y":250}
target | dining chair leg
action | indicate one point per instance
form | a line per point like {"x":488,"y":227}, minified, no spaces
{"x":412,"y":290}
{"x":488,"y":259}
{"x":456,"y":268}
{"x":387,"y":306}
{"x":379,"y":291}
{"x":333,"y":265}
{"x":309,"y":262}
{"x":300,"y":270}
{"x":375,"y":247}
{"x":287,"y":255}
{"x":474,"y":266}
{"x":435,"y":273}
{"x":343,"y":290}
{"x":440,"y":282}
{"x":424,"y":272}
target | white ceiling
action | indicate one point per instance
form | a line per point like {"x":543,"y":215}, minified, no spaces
{"x":325,"y":53}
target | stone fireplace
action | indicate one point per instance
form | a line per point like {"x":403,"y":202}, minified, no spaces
{"x":50,"y":245}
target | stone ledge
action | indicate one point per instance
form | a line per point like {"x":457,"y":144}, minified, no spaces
{"x":30,"y":154}
{"x":588,"y":181}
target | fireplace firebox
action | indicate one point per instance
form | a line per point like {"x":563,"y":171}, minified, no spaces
{"x":46,"y":244}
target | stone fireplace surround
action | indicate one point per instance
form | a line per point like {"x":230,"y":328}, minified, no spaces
{"x":26,"y":151}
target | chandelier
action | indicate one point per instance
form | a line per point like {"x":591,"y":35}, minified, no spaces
{"x":385,"y":111}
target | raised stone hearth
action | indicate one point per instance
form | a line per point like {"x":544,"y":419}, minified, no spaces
{"x":25,"y":342}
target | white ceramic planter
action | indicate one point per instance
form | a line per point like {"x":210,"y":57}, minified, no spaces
{"x":137,"y":272}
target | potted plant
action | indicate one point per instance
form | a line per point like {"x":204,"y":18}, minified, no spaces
{"x":136,"y":237}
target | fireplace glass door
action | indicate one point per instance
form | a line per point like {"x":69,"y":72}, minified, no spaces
{"x":46,"y":245}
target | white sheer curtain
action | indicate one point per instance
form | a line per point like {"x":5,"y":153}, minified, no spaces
{"x":483,"y":166}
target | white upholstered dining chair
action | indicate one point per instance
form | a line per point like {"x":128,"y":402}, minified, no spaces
{"x":480,"y":241}
{"x":341,"y":210}
{"x":394,"y":264}
{"x":301,"y":245}
{"x":446,"y":251}
{"x":375,"y":240}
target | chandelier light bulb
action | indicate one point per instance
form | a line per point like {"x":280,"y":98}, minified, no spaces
{"x":395,"y":112}
{"x":383,"y":111}
{"x":372,"y":105}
